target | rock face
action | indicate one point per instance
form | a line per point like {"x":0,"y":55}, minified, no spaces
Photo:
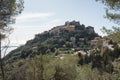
{"x":70,"y":35}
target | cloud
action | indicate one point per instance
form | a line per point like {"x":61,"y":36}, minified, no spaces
{"x":31,"y":16}
{"x":52,"y":23}
{"x":25,"y":32}
{"x":41,"y":26}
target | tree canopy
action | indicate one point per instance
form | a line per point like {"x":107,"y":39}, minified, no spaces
{"x":113,"y":14}
{"x":112,"y":10}
{"x":113,"y":33}
{"x":8,"y":10}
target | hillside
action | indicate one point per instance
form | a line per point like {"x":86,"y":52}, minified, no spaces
{"x":67,"y":52}
{"x":68,"y":36}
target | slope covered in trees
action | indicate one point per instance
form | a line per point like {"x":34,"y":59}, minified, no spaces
{"x":49,"y":56}
{"x":67,"y":36}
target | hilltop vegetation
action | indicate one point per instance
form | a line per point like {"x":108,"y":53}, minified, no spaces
{"x":67,"y":36}
{"x":49,"y":67}
{"x":67,"y":52}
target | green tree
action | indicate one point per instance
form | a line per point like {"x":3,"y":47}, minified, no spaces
{"x":113,"y":14}
{"x":112,"y":10}
{"x":113,"y":33}
{"x":8,"y":10}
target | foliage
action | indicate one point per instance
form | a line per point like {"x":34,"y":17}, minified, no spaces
{"x":8,"y":10}
{"x":112,"y":10}
{"x":113,"y":34}
{"x":52,"y":40}
{"x":40,"y":61}
{"x":50,"y":67}
{"x":44,"y":67}
{"x":101,"y":59}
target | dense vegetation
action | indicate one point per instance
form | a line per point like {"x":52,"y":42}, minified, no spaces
{"x":8,"y":10}
{"x":112,"y":10}
{"x":49,"y":67}
{"x":61,"y":37}
{"x":50,"y":56}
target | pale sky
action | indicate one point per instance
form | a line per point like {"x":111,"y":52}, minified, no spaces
{"x":41,"y":15}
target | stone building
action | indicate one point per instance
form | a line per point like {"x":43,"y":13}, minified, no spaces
{"x":90,"y":29}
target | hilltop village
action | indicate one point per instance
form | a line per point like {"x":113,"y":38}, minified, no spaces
{"x":67,"y":50}
{"x":68,"y":38}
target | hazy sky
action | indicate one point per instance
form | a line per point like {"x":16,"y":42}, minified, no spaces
{"x":41,"y":15}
